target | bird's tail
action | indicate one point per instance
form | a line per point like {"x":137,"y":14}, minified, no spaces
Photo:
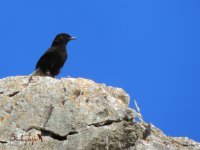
{"x":38,"y":72}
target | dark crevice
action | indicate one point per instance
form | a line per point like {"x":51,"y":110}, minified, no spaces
{"x":72,"y":133}
{"x":147,"y":132}
{"x":104,"y":123}
{"x":13,"y":94}
{"x":3,"y":142}
{"x":52,"y":134}
{"x":77,"y":93}
{"x":63,"y":102}
{"x":1,"y":93}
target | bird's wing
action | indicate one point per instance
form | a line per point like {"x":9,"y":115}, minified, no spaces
{"x":43,"y":59}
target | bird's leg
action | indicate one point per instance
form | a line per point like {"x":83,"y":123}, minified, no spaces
{"x":33,"y":74}
{"x":48,"y":73}
{"x":30,"y":79}
{"x":56,"y":72}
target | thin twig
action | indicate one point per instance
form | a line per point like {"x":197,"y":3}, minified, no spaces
{"x":138,"y":111}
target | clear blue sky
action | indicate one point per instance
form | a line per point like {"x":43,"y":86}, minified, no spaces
{"x":149,"y":48}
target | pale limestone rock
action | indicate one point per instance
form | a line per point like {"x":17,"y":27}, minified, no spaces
{"x":74,"y":114}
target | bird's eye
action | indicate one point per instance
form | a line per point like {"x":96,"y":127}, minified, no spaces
{"x":60,"y":38}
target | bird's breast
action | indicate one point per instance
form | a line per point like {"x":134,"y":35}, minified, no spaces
{"x":61,"y":56}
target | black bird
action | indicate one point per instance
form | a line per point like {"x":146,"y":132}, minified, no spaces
{"x":54,"y":58}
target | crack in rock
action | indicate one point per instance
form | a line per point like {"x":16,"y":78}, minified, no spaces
{"x":1,"y":93}
{"x":104,"y":123}
{"x":49,"y":114}
{"x":13,"y":94}
{"x":3,"y":142}
{"x":147,"y":132}
{"x":182,"y":144}
{"x":51,"y":134}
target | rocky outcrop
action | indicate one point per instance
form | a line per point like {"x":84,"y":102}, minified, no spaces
{"x":74,"y":114}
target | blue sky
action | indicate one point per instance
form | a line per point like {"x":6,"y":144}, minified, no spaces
{"x":149,"y":48}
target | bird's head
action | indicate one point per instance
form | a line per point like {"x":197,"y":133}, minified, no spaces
{"x":62,"y":38}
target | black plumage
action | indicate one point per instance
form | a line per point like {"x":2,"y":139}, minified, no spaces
{"x":54,"y":58}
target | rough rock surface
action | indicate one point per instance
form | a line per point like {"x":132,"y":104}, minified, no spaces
{"x":74,"y":114}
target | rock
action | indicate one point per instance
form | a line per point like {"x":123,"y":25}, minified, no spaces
{"x":74,"y":114}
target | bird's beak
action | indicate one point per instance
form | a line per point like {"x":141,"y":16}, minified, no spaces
{"x":72,"y":38}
